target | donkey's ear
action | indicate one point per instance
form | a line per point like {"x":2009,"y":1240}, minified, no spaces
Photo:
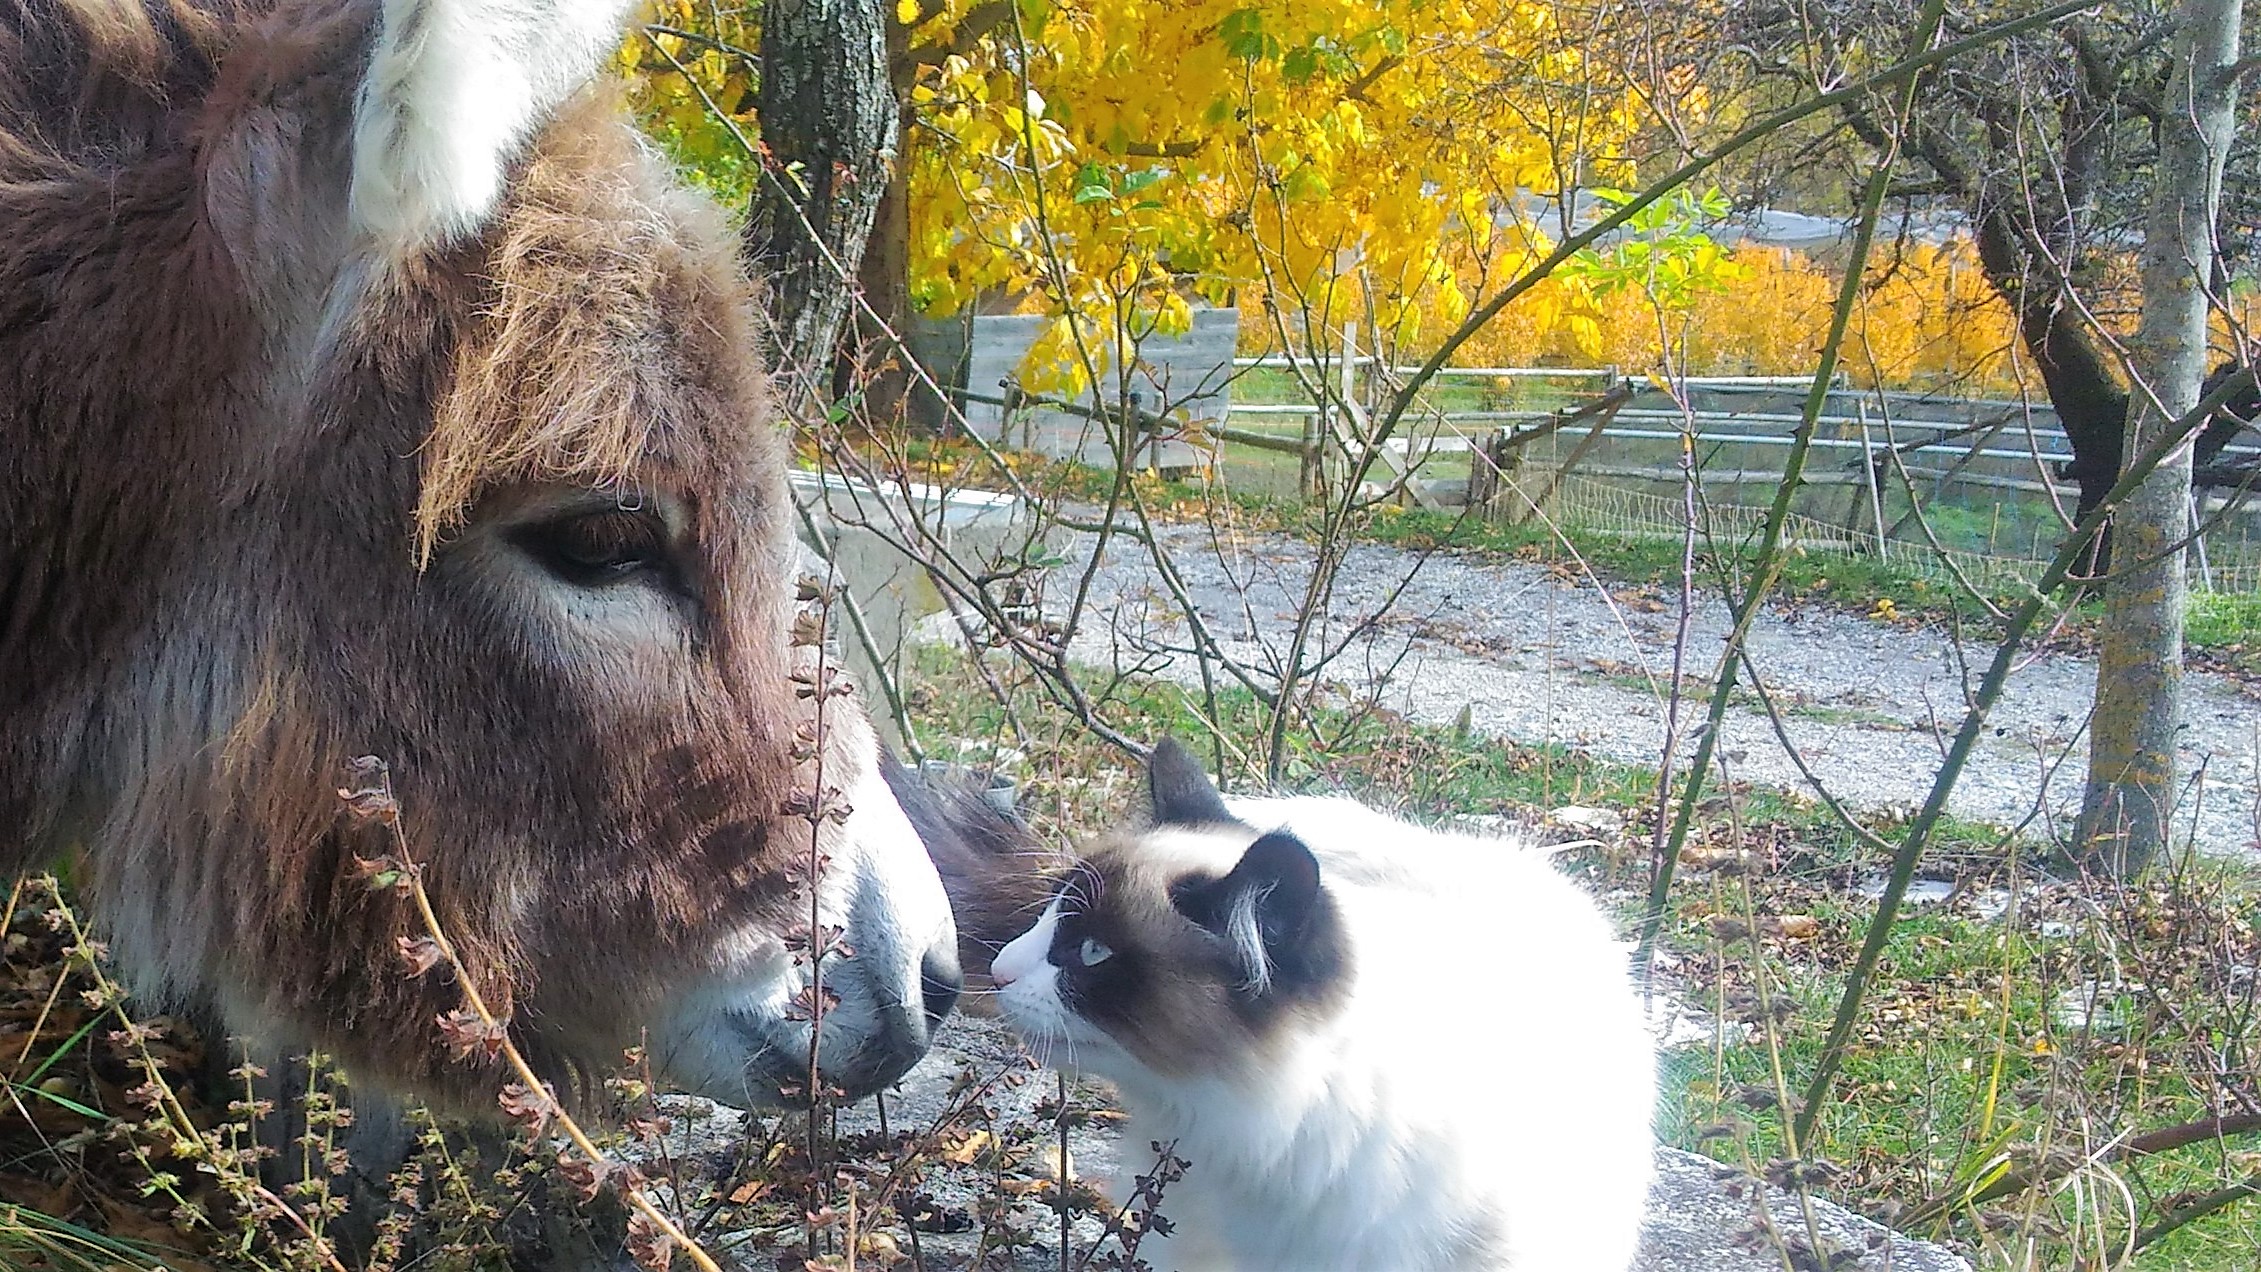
{"x":1269,"y":909}
{"x":454,"y":89}
{"x":1183,"y":794}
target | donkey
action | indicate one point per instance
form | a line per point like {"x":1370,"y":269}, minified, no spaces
{"x":368,"y":386}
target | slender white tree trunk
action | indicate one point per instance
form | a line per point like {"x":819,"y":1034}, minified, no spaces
{"x":2126,"y":817}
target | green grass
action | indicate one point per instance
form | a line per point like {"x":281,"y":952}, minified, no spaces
{"x":1269,"y":385}
{"x":2228,"y":625}
{"x":1963,"y":1064}
{"x":1958,"y":1063}
{"x":31,"y":1240}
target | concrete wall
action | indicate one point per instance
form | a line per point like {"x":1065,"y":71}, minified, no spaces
{"x":857,"y":527}
{"x":1185,"y":377}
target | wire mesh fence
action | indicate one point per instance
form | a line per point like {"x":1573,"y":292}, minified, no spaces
{"x":1587,"y":505}
{"x":1955,"y":489}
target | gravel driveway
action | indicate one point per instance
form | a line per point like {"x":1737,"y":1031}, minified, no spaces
{"x":1534,"y":656}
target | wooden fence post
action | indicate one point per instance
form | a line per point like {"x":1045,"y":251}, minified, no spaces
{"x":1869,"y":473}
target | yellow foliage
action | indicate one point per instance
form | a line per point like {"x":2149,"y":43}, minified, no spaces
{"x":1926,"y":317}
{"x":1319,"y":162}
{"x":1103,"y":160}
{"x":696,"y":95}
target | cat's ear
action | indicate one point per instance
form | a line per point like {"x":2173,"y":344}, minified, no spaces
{"x":1183,"y":794}
{"x":1266,"y":910}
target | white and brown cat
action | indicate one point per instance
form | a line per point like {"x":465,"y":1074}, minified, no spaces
{"x":1382,"y":1048}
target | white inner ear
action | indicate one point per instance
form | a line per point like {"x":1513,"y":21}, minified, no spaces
{"x":454,"y":88}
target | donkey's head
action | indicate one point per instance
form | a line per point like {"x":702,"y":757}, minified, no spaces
{"x":367,"y":386}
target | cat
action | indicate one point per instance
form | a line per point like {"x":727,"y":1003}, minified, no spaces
{"x":1382,"y":1048}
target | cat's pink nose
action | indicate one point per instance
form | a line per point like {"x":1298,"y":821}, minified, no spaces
{"x":1022,"y":955}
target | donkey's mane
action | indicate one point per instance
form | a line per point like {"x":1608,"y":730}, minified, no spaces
{"x":94,"y":82}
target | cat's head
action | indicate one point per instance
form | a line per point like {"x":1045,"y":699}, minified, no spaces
{"x":1188,"y":946}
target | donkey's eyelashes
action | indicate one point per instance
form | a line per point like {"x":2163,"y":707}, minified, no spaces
{"x":594,"y":549}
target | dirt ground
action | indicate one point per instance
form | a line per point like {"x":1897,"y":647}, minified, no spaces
{"x":1534,"y":656}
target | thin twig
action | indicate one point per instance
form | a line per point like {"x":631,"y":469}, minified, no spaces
{"x":1766,"y":568}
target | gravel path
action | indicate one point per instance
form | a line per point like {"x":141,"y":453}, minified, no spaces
{"x":1534,"y":657}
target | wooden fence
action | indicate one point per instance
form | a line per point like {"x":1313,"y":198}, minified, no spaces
{"x":1626,"y":434}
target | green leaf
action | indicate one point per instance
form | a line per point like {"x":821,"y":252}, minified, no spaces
{"x":1243,"y":34}
{"x":32,"y":1079}
{"x":1093,"y":184}
{"x":61,"y":1101}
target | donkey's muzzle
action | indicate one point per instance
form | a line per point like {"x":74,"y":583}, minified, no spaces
{"x":906,"y":1029}
{"x":940,"y":983}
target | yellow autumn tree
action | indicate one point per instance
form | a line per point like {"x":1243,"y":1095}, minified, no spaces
{"x":1927,"y":317}
{"x":1342,"y":160}
{"x":692,"y":72}
{"x":1108,"y":163}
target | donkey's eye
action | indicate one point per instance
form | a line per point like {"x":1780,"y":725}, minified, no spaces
{"x":593,"y":549}
{"x":1094,"y":952}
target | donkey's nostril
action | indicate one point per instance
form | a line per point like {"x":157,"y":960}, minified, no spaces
{"x":939,"y":983}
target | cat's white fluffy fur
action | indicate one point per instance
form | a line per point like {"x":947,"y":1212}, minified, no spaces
{"x":1489,"y":1069}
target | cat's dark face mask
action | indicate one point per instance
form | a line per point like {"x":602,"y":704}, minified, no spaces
{"x":1180,"y":948}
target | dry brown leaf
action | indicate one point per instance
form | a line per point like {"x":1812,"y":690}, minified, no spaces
{"x":58,"y":1200}
{"x":879,"y":1249}
{"x":966,"y":1150}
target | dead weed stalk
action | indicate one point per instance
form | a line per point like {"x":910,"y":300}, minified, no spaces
{"x":652,"y":1235}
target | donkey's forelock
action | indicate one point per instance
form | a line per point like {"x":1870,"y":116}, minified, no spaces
{"x":555,"y":381}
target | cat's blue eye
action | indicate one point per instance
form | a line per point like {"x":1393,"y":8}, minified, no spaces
{"x":1095,"y":952}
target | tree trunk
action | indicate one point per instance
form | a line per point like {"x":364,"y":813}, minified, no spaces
{"x":874,"y":362}
{"x":2125,"y":818}
{"x":2090,"y":405}
{"x":828,"y":122}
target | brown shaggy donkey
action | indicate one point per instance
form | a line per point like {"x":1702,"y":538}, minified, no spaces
{"x":368,"y":386}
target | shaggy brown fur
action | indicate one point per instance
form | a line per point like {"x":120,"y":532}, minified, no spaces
{"x":999,"y":875}
{"x":248,"y":511}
